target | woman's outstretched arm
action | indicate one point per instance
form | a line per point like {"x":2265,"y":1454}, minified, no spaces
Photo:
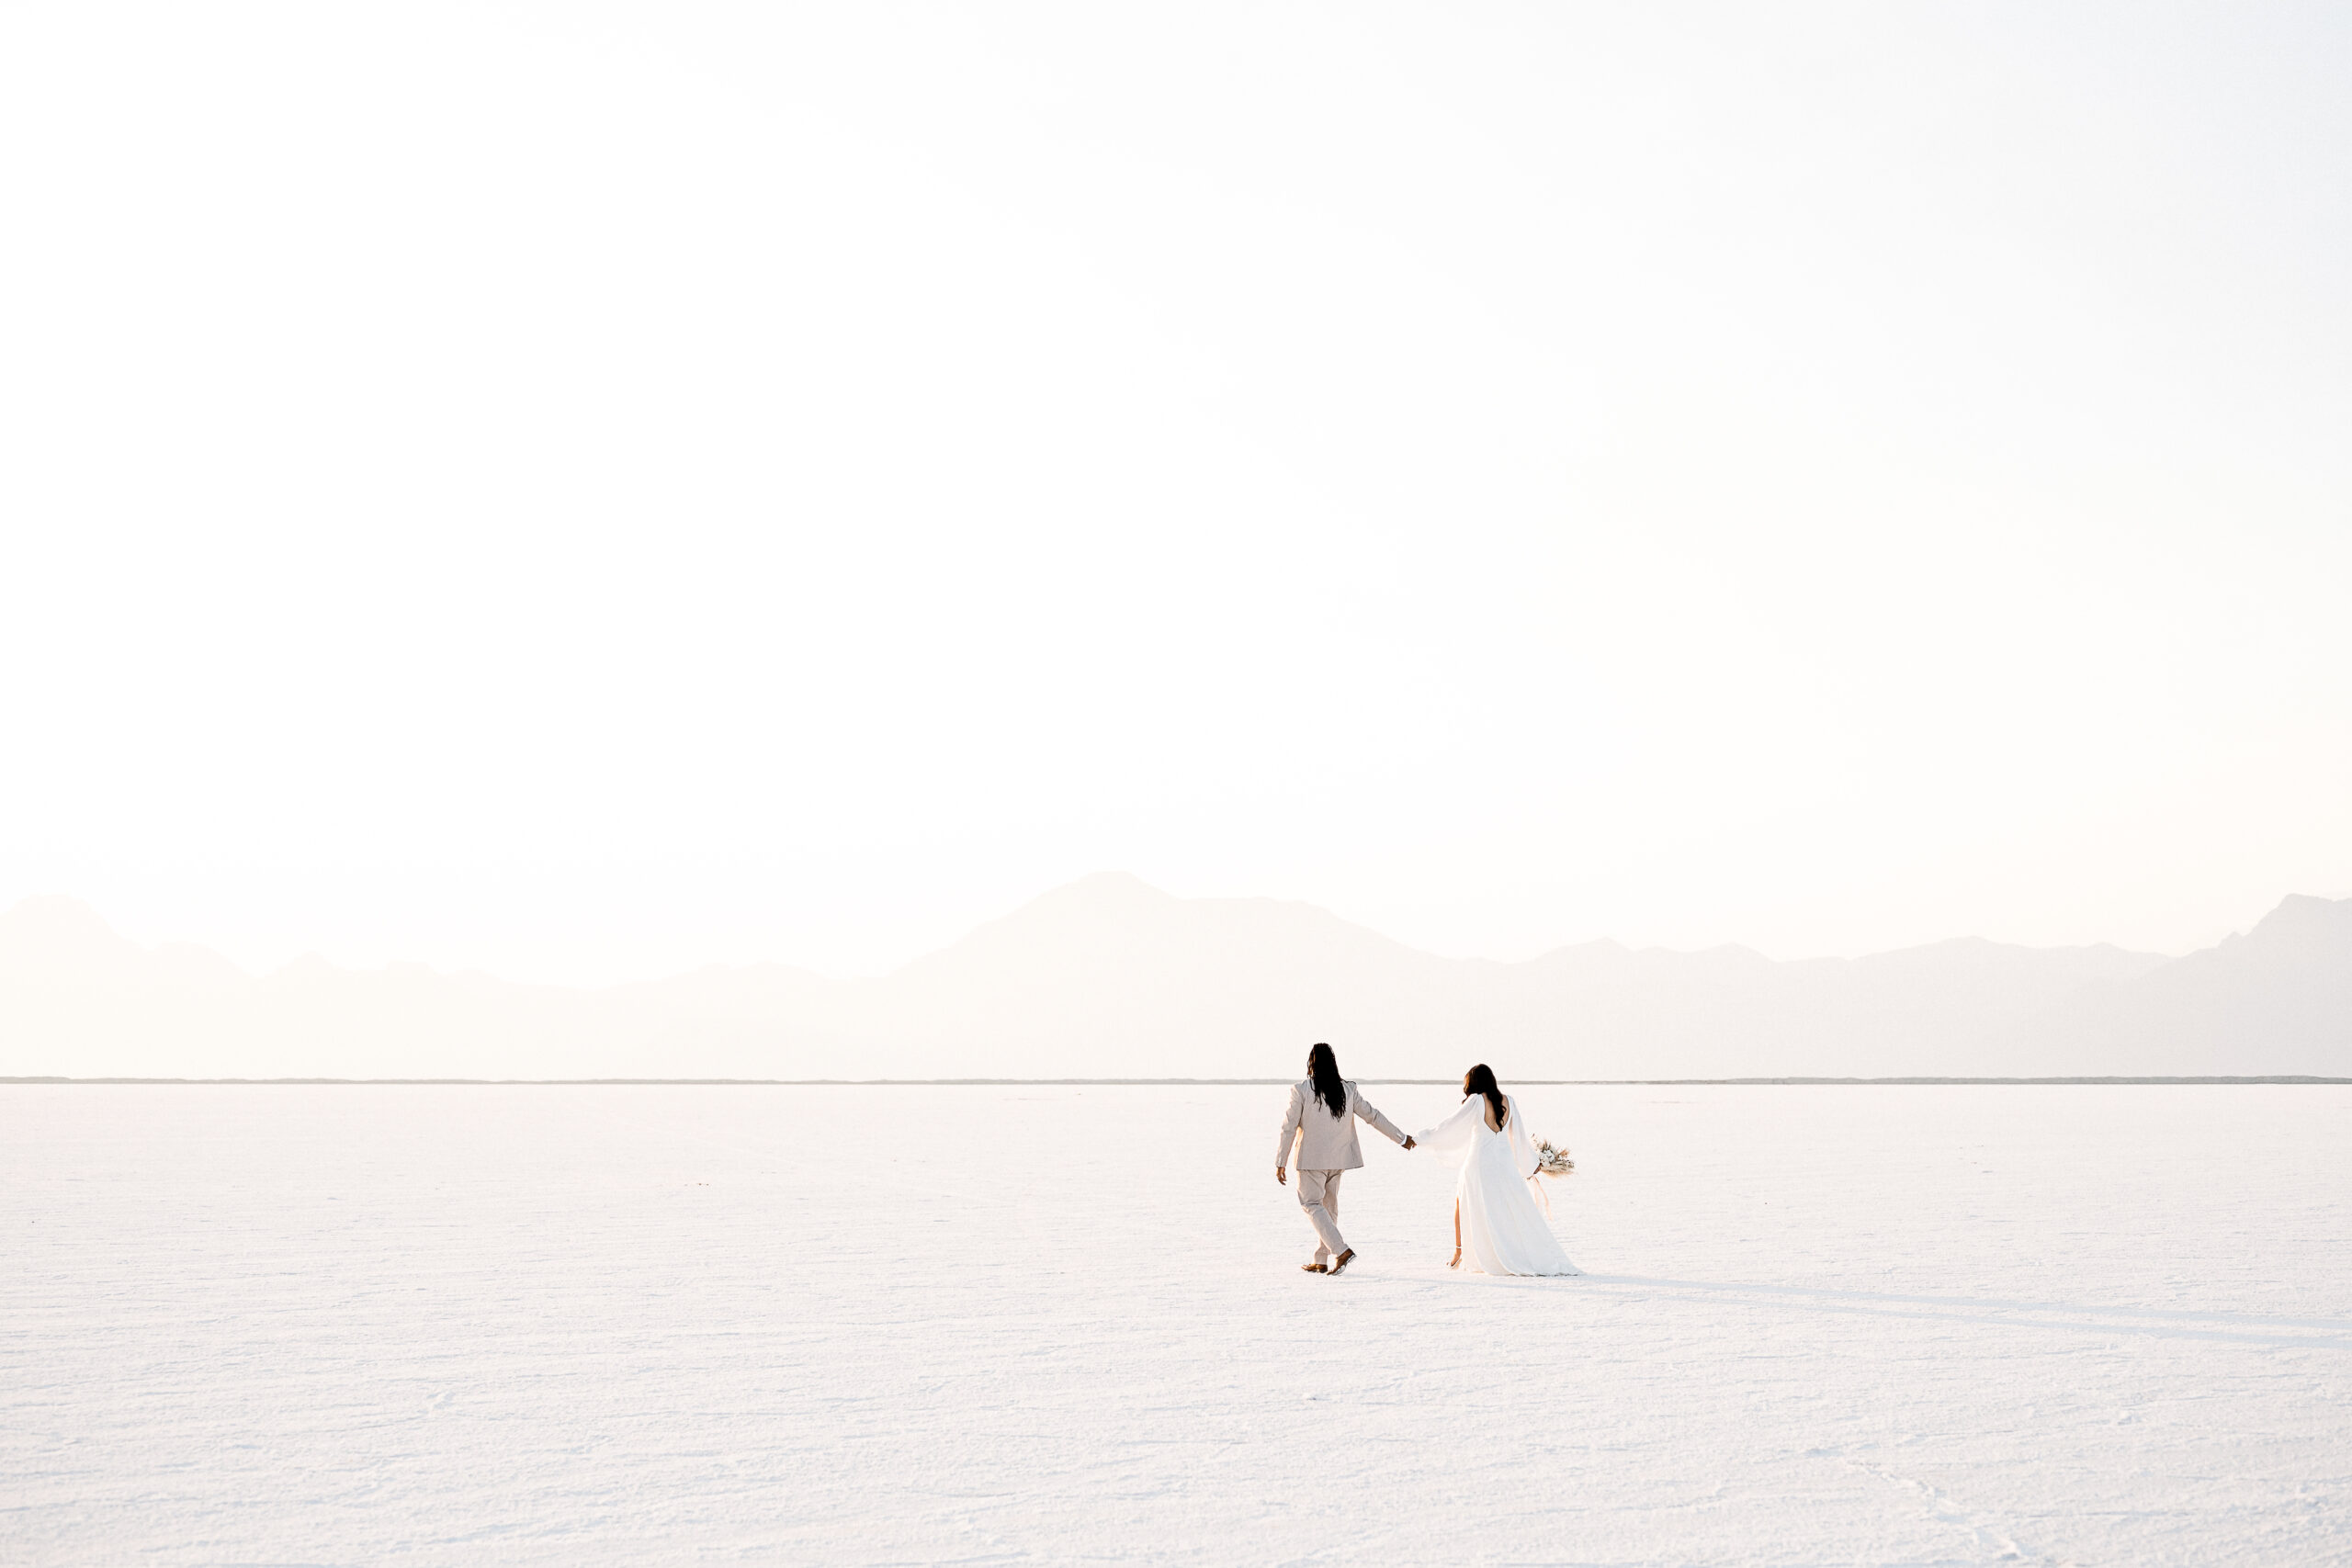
{"x":1453,"y":1135}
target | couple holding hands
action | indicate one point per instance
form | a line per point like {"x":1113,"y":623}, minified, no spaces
{"x":1496,"y":1222}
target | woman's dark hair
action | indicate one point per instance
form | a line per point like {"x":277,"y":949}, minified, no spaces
{"x":1480,"y":1080}
{"x":1323,"y":1071}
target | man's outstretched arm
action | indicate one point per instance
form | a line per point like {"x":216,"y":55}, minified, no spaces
{"x":1365,"y":1108}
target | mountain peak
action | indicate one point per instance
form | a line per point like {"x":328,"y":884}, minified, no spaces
{"x":2302,"y":912}
{"x":1117,"y":884}
{"x":2301,"y":923}
{"x":52,"y":935}
{"x":1103,"y":892}
{"x":54,"y":913}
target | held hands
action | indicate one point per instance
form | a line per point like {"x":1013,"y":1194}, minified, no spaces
{"x":1409,"y":1141}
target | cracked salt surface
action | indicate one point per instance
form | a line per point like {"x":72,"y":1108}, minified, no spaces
{"x":573,"y":1325}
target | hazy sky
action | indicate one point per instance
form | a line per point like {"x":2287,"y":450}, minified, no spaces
{"x":581,"y":490}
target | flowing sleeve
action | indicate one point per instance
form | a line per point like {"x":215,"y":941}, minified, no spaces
{"x":1522,"y":1143}
{"x":1450,"y":1139}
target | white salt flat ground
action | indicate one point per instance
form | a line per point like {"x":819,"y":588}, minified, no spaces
{"x":1058,"y":1324}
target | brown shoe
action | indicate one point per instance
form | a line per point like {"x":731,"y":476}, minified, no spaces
{"x":1342,"y":1260}
{"x":1312,"y":1268}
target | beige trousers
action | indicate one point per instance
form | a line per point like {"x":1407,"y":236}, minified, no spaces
{"x":1318,"y":1194}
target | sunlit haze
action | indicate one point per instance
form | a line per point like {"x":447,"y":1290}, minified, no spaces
{"x":585,"y":490}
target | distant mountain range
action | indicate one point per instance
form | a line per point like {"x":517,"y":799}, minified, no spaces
{"x":1108,"y":977}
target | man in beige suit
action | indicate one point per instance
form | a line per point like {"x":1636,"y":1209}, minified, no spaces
{"x":1321,"y":1122}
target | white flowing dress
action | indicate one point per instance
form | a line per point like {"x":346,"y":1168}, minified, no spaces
{"x":1502,"y":1230}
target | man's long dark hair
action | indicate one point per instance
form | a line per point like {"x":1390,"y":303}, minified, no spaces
{"x":1480,"y":1080}
{"x":1323,"y":1072}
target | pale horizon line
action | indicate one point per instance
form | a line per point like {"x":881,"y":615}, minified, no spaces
{"x":2282,"y":1079}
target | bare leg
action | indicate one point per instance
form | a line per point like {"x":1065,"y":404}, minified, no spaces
{"x":1457,"y":1234}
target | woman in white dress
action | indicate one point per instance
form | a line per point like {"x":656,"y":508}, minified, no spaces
{"x":1495,"y":1221}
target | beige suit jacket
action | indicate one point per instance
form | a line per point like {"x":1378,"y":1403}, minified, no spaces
{"x":1325,"y":1141}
